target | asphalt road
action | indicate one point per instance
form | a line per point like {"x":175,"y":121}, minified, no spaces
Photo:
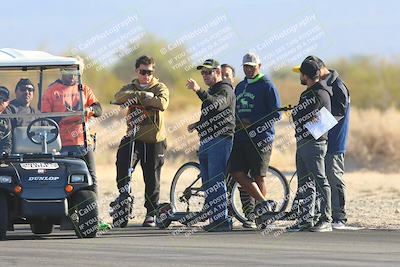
{"x":137,"y":246}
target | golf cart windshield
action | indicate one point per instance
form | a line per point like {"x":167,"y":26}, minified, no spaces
{"x":45,"y":112}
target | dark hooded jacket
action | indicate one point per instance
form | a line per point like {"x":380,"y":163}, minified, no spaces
{"x":311,"y":101}
{"x":338,"y":135}
{"x":217,"y":112}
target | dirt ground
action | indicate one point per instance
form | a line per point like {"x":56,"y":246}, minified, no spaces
{"x":373,"y":199}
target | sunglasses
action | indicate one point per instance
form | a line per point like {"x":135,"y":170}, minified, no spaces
{"x":23,"y":89}
{"x":146,"y":72}
{"x":206,"y":72}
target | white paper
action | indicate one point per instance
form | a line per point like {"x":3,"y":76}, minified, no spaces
{"x":324,"y":122}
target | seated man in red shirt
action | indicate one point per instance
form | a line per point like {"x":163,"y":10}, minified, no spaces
{"x":63,"y":96}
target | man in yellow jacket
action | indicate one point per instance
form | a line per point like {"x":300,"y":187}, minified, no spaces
{"x":149,"y":99}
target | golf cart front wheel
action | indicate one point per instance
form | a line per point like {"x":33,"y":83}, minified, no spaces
{"x":84,"y":214}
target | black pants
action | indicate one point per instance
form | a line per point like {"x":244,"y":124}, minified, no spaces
{"x":90,"y":162}
{"x":88,"y":157}
{"x":151,"y":157}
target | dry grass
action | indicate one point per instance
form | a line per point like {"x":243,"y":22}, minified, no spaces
{"x":375,"y":140}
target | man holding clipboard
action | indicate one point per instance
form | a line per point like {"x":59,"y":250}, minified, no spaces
{"x":310,"y":118}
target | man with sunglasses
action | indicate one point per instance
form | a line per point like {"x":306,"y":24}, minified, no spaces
{"x":257,"y":101}
{"x":20,"y":105}
{"x":148,"y":99}
{"x":215,"y":128}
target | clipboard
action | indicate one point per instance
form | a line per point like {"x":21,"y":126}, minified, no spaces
{"x":325,"y":121}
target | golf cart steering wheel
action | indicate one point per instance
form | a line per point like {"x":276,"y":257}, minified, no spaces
{"x":31,"y":134}
{"x":4,"y":134}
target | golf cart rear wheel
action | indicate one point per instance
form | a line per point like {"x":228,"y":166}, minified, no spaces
{"x":41,"y":228}
{"x":84,"y":214}
{"x":3,"y":216}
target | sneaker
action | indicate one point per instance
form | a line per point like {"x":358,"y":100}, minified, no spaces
{"x":103,"y":226}
{"x":218,"y":227}
{"x":249,"y":224}
{"x":322,"y":227}
{"x":299,"y":228}
{"x":149,"y":221}
{"x":264,"y":207}
{"x":339,"y":225}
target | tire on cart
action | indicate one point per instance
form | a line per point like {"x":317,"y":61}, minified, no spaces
{"x":84,"y":214}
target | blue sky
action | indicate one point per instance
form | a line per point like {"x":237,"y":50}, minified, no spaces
{"x":347,"y":28}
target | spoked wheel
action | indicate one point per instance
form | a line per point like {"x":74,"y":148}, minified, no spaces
{"x":277,"y":191}
{"x":186,"y":194}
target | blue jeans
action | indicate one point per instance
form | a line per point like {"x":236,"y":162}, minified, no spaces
{"x":213,"y":157}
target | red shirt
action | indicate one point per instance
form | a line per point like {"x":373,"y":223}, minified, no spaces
{"x":59,"y":98}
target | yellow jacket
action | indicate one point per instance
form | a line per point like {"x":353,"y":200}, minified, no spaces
{"x":151,"y":122}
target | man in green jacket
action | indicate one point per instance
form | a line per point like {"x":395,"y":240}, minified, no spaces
{"x":148,"y":99}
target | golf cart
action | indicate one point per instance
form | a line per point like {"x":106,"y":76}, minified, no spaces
{"x":42,"y":183}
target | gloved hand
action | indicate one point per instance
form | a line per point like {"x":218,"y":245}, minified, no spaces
{"x":148,"y":95}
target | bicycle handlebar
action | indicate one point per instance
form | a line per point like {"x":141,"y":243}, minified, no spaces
{"x":286,"y":108}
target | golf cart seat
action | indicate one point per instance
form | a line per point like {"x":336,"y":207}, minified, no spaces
{"x":22,"y":144}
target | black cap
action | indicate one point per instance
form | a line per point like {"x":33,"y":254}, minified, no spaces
{"x":320,"y":63}
{"x":310,"y":68}
{"x":4,"y":93}
{"x":209,"y":64}
{"x":25,"y":83}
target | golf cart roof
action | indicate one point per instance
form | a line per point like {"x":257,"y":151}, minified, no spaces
{"x":25,"y":59}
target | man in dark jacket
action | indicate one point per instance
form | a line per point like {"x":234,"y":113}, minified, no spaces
{"x":310,"y":153}
{"x":337,"y":141}
{"x":20,"y":105}
{"x":216,"y":127}
{"x":149,"y":141}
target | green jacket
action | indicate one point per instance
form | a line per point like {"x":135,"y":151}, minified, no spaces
{"x":151,"y":125}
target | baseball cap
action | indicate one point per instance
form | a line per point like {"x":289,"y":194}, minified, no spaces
{"x":4,"y":93}
{"x":251,"y":59}
{"x":25,"y":83}
{"x":316,"y":59}
{"x":209,"y":64}
{"x":309,"y":68}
